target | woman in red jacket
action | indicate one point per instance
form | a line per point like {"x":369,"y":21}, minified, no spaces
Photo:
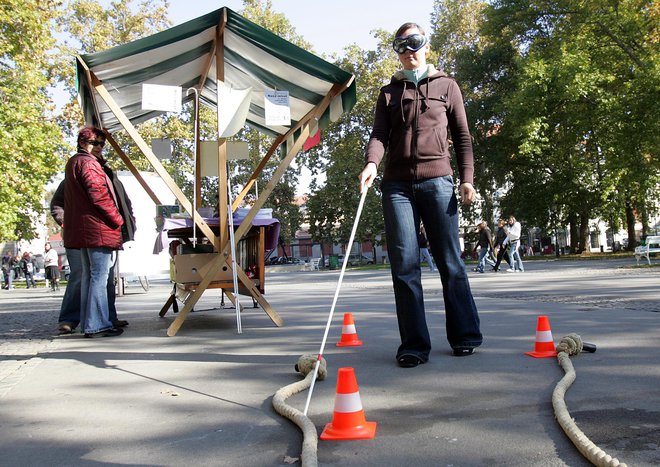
{"x":92,"y":223}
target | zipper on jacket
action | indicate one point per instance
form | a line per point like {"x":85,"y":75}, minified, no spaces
{"x":415,"y":117}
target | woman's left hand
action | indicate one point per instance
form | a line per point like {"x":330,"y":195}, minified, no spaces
{"x":467,"y":192}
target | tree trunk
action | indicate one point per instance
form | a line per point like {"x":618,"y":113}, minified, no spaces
{"x":630,"y":226}
{"x":585,"y":239}
{"x":487,"y":211}
{"x":644,"y":214}
{"x":574,"y":232}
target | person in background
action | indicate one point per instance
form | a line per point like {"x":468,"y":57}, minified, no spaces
{"x":51,"y":260}
{"x":8,"y":270}
{"x":424,"y":248}
{"x":28,"y":266}
{"x":413,"y":117}
{"x":92,"y":223}
{"x":485,"y":245}
{"x":500,"y":237}
{"x":513,"y":240}
{"x":18,"y":269}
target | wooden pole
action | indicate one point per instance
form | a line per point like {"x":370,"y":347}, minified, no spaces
{"x":148,"y":153}
{"x":222,"y":144}
{"x":136,"y":173}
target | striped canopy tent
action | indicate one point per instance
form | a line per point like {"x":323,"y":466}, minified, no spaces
{"x":215,"y":52}
{"x":186,"y":55}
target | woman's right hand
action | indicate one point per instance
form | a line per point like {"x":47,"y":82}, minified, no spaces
{"x":367,"y":176}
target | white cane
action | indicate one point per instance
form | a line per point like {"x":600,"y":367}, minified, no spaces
{"x":334,"y":301}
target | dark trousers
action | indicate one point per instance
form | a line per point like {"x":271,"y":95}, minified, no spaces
{"x":502,"y":253}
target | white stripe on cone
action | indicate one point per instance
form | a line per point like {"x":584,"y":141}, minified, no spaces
{"x":348,"y":329}
{"x":348,"y":403}
{"x":543,"y":336}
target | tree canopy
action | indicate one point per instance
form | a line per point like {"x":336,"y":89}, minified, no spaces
{"x":561,"y":97}
{"x":30,"y":140}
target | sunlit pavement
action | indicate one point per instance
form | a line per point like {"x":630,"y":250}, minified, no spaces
{"x":203,"y":397}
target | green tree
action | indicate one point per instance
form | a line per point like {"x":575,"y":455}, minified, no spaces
{"x":456,"y":25}
{"x":30,"y":141}
{"x":576,"y":133}
{"x":332,"y":205}
{"x":281,"y":199}
{"x":89,"y":27}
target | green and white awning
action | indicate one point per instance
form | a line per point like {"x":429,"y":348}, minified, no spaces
{"x":185,"y":56}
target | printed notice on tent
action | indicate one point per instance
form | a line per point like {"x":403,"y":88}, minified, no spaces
{"x":278,"y":112}
{"x":159,"y":97}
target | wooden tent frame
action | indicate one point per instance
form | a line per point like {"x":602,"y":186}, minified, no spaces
{"x":299,"y":132}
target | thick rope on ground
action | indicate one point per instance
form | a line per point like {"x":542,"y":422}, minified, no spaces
{"x":305,"y":366}
{"x":572,"y":345}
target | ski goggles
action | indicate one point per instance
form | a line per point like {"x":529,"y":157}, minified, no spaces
{"x":413,"y":42}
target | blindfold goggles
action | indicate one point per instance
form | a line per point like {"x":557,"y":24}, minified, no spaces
{"x":413,"y":42}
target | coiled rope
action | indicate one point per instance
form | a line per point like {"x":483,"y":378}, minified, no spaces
{"x":572,"y":345}
{"x":305,"y":366}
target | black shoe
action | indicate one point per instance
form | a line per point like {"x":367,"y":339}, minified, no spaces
{"x":119,"y":323}
{"x":409,"y":360}
{"x":463,"y":351}
{"x":65,"y":329}
{"x":112,"y":332}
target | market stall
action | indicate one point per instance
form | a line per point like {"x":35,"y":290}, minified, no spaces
{"x":250,"y":76}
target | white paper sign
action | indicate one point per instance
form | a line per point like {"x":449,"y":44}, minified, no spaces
{"x":278,"y":111}
{"x":233,"y":108}
{"x":159,"y":97}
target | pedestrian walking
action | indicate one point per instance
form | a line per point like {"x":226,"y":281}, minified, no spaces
{"x":499,"y":245}
{"x":424,"y":248}
{"x":513,"y":241}
{"x":485,"y":246}
{"x":7,"y":270}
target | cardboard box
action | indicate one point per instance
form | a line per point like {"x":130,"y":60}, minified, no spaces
{"x":184,"y":249}
{"x":194,"y":267}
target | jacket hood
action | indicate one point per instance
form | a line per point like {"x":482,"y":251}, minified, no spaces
{"x":432,"y":72}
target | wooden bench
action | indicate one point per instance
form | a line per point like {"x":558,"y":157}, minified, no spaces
{"x":651,"y":245}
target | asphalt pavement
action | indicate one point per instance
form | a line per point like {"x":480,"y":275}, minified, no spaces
{"x":203,"y":397}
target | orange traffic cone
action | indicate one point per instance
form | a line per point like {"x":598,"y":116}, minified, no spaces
{"x":544,"y":346}
{"x":349,"y":335}
{"x":348,"y":420}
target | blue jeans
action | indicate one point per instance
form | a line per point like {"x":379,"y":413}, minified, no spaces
{"x":29,"y":279}
{"x":434,"y":202}
{"x":70,"y":309}
{"x":112,"y":291}
{"x":514,"y":256}
{"x":8,"y":275}
{"x":427,"y":256}
{"x":94,"y":310}
{"x":483,"y":254}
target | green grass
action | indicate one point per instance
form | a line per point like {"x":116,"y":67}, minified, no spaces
{"x":581,"y":257}
{"x":41,"y":284}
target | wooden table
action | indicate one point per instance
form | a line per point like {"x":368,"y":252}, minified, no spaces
{"x":191,"y":264}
